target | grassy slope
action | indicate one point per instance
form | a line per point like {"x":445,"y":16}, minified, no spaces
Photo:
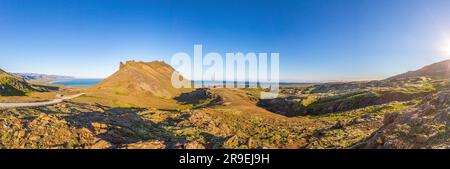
{"x":13,"y":86}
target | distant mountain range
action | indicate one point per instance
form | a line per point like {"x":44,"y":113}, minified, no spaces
{"x":42,"y":77}
{"x":17,"y":84}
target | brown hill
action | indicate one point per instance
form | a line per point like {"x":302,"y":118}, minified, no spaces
{"x":439,"y":70}
{"x":137,"y":78}
{"x":140,"y":83}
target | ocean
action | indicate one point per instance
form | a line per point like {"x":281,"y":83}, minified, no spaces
{"x":79,"y":82}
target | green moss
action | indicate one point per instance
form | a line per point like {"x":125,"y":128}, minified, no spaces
{"x":5,"y":137}
{"x":376,"y":109}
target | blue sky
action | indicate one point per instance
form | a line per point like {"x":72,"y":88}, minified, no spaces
{"x":318,"y":40}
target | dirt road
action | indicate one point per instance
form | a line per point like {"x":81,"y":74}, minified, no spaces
{"x":34,"y":104}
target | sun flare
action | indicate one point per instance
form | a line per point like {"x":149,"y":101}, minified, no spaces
{"x":447,"y":50}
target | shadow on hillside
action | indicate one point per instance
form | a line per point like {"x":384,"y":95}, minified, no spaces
{"x":211,"y":141}
{"x":215,"y":142}
{"x":292,"y":106}
{"x":283,"y":106}
{"x":44,"y":88}
{"x":9,"y":90}
{"x":199,"y":98}
{"x":194,"y":97}
{"x":118,"y":126}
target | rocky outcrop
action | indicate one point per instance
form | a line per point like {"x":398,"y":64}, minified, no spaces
{"x":200,"y":98}
{"x":424,"y":126}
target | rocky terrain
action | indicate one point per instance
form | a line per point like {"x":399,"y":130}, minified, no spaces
{"x":137,"y":108}
{"x":423,"y":126}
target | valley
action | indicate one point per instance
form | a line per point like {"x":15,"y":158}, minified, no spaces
{"x":137,"y":108}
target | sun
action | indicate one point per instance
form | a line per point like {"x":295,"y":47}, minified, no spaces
{"x":444,"y":49}
{"x":447,"y":50}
